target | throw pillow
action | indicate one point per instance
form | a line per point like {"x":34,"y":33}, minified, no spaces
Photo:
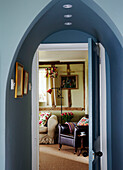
{"x":43,"y":118}
{"x":83,"y":122}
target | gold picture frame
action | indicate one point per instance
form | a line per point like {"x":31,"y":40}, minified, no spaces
{"x":26,"y":79}
{"x":19,"y":81}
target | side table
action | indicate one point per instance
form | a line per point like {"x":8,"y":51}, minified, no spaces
{"x":82,"y":136}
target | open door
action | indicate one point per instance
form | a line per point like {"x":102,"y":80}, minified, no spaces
{"x":94,"y":106}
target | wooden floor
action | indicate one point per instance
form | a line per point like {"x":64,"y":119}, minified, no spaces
{"x":50,"y":158}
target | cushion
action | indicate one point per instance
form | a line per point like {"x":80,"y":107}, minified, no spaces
{"x":43,"y":129}
{"x":43,"y":118}
{"x":71,"y":126}
{"x":83,"y":122}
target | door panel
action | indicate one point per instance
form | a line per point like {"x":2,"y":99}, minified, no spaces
{"x":94,"y":106}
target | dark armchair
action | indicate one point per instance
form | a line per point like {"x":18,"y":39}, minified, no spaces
{"x":66,"y":138}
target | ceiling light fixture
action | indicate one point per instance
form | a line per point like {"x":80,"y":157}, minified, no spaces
{"x":67,"y":6}
{"x":67,"y":16}
{"x":68,"y":23}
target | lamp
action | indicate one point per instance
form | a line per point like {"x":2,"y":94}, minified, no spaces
{"x":59,"y":95}
{"x":49,"y":91}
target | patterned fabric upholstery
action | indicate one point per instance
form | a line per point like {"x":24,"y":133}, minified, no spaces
{"x":71,"y":126}
{"x":43,"y":118}
{"x":83,"y":122}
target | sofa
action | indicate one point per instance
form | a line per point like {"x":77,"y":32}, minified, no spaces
{"x":43,"y":138}
{"x":77,"y":114}
{"x":47,"y":133}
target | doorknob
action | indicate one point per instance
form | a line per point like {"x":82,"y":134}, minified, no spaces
{"x":99,"y":153}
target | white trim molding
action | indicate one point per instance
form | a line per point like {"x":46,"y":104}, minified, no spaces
{"x":63,"y":47}
{"x":35,"y":115}
{"x":35,"y":100}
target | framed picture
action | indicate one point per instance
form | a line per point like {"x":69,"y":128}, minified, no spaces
{"x":69,"y":81}
{"x":26,"y":79}
{"x":19,"y":81}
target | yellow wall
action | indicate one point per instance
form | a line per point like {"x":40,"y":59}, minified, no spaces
{"x":77,"y":95}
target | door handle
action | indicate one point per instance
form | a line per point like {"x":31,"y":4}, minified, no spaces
{"x":99,"y":153}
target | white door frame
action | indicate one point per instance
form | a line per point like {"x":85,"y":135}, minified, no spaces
{"x":35,"y":99}
{"x":103,"y":113}
{"x":35,"y":117}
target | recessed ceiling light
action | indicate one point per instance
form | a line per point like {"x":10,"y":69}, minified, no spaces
{"x":68,"y":23}
{"x":67,"y":6}
{"x":67,"y":16}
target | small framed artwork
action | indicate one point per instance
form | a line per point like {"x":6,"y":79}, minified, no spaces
{"x":26,"y":79}
{"x":19,"y":81}
{"x":69,"y":81}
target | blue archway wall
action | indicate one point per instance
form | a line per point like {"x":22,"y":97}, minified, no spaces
{"x":48,"y":27}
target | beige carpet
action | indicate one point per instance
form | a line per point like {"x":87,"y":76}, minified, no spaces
{"x":50,"y":158}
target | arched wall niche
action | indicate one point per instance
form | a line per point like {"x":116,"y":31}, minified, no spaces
{"x":47,"y":28}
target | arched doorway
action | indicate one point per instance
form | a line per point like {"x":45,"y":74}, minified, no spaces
{"x":85,"y":18}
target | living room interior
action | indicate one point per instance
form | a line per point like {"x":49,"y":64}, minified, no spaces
{"x":66,"y":72}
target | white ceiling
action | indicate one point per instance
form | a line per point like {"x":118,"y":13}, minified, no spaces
{"x":62,"y":55}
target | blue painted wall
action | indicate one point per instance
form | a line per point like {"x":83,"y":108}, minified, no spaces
{"x":15,"y":18}
{"x":18,"y":127}
{"x":18,"y":117}
{"x":68,"y":36}
{"x":114,"y":10}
